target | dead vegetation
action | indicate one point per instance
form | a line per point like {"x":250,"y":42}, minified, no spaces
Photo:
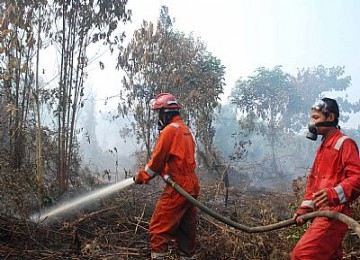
{"x":117,"y":228}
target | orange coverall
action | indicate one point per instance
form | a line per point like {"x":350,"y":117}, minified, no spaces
{"x":174,"y":216}
{"x":337,"y":171}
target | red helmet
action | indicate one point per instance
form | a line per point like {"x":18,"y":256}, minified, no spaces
{"x":166,"y":101}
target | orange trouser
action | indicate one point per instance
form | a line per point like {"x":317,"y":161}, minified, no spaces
{"x":174,"y":217}
{"x":322,"y":241}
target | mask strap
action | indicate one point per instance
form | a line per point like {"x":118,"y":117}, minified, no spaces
{"x":161,"y":125}
{"x":326,"y":124}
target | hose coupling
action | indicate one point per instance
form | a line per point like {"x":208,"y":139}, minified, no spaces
{"x":167,"y":178}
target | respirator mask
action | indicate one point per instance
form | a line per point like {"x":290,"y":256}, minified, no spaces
{"x":160,"y":125}
{"x":165,"y":117}
{"x":312,"y":132}
{"x":312,"y":127}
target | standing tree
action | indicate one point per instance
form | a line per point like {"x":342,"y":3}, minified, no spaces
{"x":163,"y":60}
{"x":231,"y":139}
{"x":17,"y":48}
{"x":25,"y":28}
{"x":276,"y":104}
{"x":312,"y":84}
{"x":78,"y":25}
{"x":21,"y":27}
{"x":266,"y":97}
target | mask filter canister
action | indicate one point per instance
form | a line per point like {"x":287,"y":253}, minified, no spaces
{"x":312,"y":132}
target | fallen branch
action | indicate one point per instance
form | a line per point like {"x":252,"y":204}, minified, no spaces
{"x":141,"y":217}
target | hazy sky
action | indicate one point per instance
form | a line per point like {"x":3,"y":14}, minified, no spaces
{"x":247,"y":34}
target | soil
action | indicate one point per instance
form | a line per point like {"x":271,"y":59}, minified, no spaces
{"x":117,"y":228}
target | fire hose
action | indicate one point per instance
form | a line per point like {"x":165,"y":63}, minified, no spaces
{"x":353,"y":224}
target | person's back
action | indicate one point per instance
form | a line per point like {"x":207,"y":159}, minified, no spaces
{"x":181,"y":155}
{"x":174,"y":155}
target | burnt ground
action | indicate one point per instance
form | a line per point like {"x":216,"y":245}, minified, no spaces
{"x":117,"y":228}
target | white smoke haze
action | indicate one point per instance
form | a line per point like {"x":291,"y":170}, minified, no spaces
{"x":245,"y":35}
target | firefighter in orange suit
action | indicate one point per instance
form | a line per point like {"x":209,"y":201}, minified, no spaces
{"x":333,"y":182}
{"x":174,"y":154}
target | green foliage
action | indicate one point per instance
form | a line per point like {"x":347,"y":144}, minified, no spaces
{"x":263,"y":99}
{"x":297,"y":232}
{"x":265,"y":96}
{"x":283,"y":100}
{"x":276,"y":105}
{"x":312,"y":84}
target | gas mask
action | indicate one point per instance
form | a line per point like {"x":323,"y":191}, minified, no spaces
{"x":160,"y":125}
{"x":312,"y":132}
{"x":324,"y":108}
{"x":312,"y":129}
{"x":164,"y":119}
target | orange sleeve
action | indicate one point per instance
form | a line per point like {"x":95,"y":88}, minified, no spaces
{"x":350,"y":186}
{"x":157,"y":163}
{"x":162,"y":150}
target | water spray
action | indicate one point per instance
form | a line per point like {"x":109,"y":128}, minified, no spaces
{"x":48,"y":215}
